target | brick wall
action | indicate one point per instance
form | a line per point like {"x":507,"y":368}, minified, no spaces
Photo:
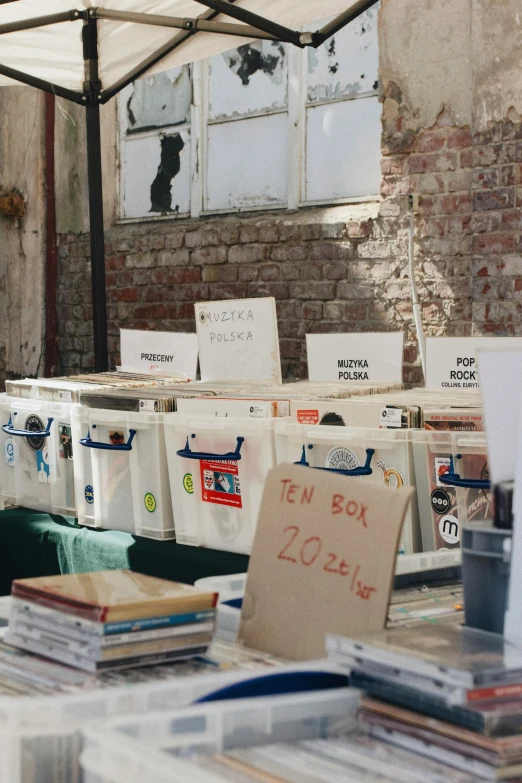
{"x":332,"y":270}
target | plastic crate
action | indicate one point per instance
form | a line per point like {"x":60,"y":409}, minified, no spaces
{"x":380,"y":456}
{"x":158,"y":747}
{"x":486,"y":562}
{"x":40,"y":735}
{"x":231,"y":590}
{"x":36,"y":471}
{"x":217,"y":470}
{"x":121,"y":474}
{"x":458,"y":457}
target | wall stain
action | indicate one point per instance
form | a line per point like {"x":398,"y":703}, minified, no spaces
{"x":170,"y":165}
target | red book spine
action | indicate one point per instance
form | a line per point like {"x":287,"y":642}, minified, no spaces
{"x":495,"y":692}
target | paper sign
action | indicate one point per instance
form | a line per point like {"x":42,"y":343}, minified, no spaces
{"x":373,"y":357}
{"x":500,"y":373}
{"x":238,"y":340}
{"x":174,"y":353}
{"x":322,"y":562}
{"x":451,"y":362}
{"x":513,"y":615}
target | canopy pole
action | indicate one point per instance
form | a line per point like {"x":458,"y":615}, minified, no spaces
{"x":92,"y":88}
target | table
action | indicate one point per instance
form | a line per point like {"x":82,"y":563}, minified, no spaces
{"x":39,"y":544}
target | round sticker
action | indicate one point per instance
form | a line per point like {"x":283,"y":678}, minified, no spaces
{"x":150,"y":502}
{"x":340,"y":458}
{"x":449,"y":529}
{"x":188,"y":483}
{"x":35,"y":424}
{"x":89,"y":494}
{"x":440,"y":501}
{"x":9,"y":450}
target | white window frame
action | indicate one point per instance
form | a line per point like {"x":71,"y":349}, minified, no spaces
{"x":199,"y":123}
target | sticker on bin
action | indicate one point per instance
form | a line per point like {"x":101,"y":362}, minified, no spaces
{"x":220,"y":483}
{"x":391,"y":417}
{"x":42,"y":465}
{"x":9,"y":450}
{"x":308,"y":417}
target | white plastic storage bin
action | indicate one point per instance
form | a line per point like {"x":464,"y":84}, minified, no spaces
{"x":158,"y":747}
{"x":380,"y":456}
{"x":36,"y":455}
{"x":40,"y":735}
{"x":120,"y":471}
{"x":452,"y":476}
{"x":231,"y":590}
{"x":217,"y":469}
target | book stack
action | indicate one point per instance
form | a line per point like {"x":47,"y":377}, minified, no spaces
{"x":110,"y":619}
{"x":447,"y":692}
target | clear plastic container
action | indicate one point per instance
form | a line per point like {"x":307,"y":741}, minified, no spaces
{"x":452,"y":475}
{"x":380,"y":456}
{"x":217,"y":470}
{"x":40,"y":735}
{"x":36,"y":470}
{"x":158,"y":747}
{"x":121,"y":474}
{"x":231,"y":590}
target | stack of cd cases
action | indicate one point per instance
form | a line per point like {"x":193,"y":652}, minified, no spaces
{"x":445,"y":691}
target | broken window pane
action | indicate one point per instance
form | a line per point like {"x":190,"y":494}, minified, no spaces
{"x":249,"y":79}
{"x":247,"y":163}
{"x":347,"y":65}
{"x":156,"y":175}
{"x":343,"y":150}
{"x":159,"y":101}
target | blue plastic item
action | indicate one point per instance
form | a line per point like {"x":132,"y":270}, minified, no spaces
{"x":231,"y":455}
{"x":364,"y":470}
{"x":9,"y":429}
{"x":93,"y":444}
{"x":453,"y":479}
{"x":277,"y":684}
{"x":235,"y":603}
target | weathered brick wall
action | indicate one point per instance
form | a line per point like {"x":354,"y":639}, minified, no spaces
{"x":327,"y":270}
{"x":332,"y":270}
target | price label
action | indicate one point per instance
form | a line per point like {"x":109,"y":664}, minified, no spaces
{"x":323,"y":560}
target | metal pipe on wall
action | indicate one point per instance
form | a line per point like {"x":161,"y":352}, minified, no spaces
{"x":52,"y":356}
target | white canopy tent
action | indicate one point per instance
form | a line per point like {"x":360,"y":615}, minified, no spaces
{"x":88,"y":51}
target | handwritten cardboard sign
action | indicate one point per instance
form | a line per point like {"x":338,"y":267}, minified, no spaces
{"x":238,"y":340}
{"x":451,"y":362}
{"x":175,"y":353}
{"x":322,"y":562}
{"x":372,"y":356}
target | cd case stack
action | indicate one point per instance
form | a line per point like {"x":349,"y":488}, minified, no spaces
{"x":447,"y":692}
{"x":110,"y":619}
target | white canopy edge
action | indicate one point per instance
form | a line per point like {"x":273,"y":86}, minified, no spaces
{"x":54,"y":53}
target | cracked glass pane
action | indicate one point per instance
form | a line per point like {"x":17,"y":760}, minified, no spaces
{"x":247,"y":80}
{"x":347,"y":65}
{"x":160,"y":100}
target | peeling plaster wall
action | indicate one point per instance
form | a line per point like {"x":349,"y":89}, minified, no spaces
{"x":497,"y":60}
{"x":22,"y":243}
{"x":425,"y":48}
{"x":463,"y":56}
{"x":72,"y":196}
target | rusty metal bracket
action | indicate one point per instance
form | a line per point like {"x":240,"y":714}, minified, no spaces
{"x":12,"y":205}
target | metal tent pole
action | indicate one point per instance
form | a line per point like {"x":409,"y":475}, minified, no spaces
{"x":92,"y":87}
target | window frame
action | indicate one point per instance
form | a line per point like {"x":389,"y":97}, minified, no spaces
{"x":296,"y":110}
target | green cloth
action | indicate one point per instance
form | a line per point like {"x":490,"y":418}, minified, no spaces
{"x":38,"y":544}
